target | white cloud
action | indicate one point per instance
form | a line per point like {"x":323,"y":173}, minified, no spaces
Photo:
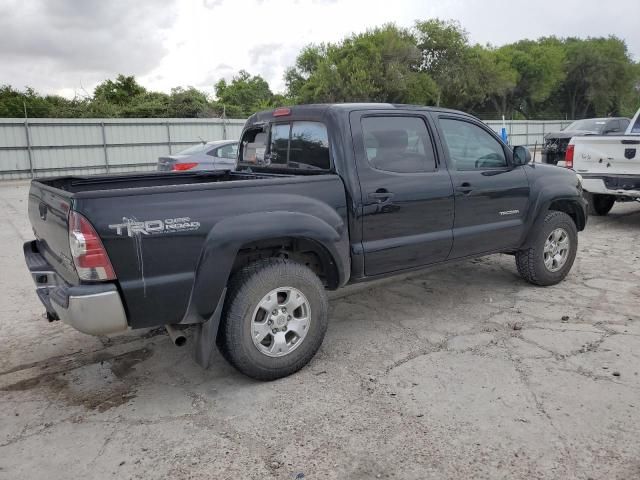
{"x":62,"y":45}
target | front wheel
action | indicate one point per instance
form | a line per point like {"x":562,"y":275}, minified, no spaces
{"x":552,"y":251}
{"x":274,"y":319}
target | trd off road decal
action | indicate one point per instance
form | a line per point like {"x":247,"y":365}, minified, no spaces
{"x":133,"y":227}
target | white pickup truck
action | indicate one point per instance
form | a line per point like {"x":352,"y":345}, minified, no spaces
{"x":609,"y":166}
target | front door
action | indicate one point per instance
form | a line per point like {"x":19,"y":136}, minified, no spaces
{"x":407,"y":196}
{"x":491,"y":194}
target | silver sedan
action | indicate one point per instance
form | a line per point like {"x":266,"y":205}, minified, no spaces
{"x":218,"y":155}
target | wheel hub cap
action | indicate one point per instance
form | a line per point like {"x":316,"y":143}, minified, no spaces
{"x":281,"y":321}
{"x":556,"y":249}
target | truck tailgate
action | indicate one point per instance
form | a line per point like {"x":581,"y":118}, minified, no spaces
{"x":619,"y":155}
{"x":48,"y":213}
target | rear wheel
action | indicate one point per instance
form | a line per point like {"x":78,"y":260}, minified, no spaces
{"x":274,"y":320}
{"x":600,"y":204}
{"x":552,"y":251}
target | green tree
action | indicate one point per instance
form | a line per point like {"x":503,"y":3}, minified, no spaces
{"x":630,"y":98}
{"x":468,"y":77}
{"x":380,"y":65}
{"x":120,"y":91}
{"x":444,"y":51}
{"x":536,"y":71}
{"x":431,"y":63}
{"x":599,"y":74}
{"x":244,"y":95}
{"x":489,"y":80}
{"x":147,"y":105}
{"x":189,"y":103}
{"x":14,"y":103}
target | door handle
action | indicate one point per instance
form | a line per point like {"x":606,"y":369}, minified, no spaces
{"x":380,"y":195}
{"x":464,"y":188}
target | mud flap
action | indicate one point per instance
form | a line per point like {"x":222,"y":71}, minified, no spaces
{"x":205,"y":335}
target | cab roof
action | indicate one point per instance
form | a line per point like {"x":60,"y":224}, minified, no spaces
{"x":320,"y":109}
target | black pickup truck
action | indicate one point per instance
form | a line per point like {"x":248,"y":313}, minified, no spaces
{"x":324,"y":195}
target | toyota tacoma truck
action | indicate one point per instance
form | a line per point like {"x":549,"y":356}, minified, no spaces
{"x":609,"y":165}
{"x":324,"y":196}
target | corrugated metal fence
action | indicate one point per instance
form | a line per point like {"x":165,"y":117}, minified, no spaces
{"x":48,"y":147}
{"x":528,"y":132}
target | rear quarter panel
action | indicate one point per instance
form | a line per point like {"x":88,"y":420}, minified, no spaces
{"x":157,"y":238}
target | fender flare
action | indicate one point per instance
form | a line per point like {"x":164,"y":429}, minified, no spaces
{"x":227,"y":237}
{"x":542,"y":207}
{"x":219,"y":253}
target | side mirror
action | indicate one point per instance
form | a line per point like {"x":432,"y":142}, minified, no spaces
{"x":521,"y":155}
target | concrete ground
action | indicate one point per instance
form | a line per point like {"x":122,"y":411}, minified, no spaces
{"x":461,"y":372}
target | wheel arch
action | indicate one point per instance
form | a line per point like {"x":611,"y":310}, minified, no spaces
{"x":572,"y":208}
{"x":302,"y":249}
{"x":235,"y":241}
{"x":569,"y":205}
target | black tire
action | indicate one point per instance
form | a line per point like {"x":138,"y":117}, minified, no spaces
{"x":530,"y":262}
{"x":246,"y":289}
{"x":599,"y":204}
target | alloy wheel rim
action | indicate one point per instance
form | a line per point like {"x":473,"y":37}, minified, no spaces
{"x":556,"y":249}
{"x":280,"y":322}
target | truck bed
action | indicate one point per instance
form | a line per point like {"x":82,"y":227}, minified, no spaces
{"x":155,"y":226}
{"x":79,"y":184}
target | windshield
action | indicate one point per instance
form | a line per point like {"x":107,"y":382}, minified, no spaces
{"x":594,"y":125}
{"x":194,"y":149}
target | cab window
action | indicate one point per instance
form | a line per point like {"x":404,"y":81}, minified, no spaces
{"x":280,"y":143}
{"x":309,"y":146}
{"x":301,"y":145}
{"x":471,"y":147}
{"x":398,"y":144}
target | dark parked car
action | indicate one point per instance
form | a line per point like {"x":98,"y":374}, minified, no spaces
{"x":555,"y":143}
{"x":218,"y":155}
{"x":325,"y":195}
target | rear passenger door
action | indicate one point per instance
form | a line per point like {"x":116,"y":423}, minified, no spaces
{"x":407,"y":197}
{"x":491,"y":194}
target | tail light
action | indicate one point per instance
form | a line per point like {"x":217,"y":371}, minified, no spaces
{"x":180,"y":167}
{"x":89,"y":256}
{"x":568,"y":156}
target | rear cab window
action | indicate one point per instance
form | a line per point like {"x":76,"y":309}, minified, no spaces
{"x":293,"y":144}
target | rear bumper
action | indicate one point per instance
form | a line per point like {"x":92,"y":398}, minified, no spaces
{"x":92,"y":309}
{"x":617,"y":185}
